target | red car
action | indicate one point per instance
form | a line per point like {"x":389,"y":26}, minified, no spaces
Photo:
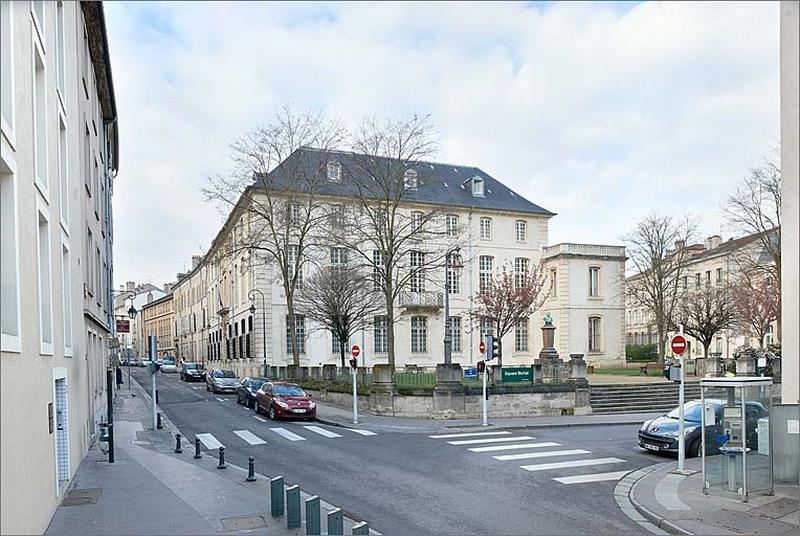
{"x":284,"y":400}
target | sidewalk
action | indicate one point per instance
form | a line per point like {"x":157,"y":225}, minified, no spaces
{"x":336,"y":416}
{"x":151,"y":490}
{"x":677,"y":505}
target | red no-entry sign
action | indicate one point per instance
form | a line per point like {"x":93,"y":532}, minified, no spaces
{"x":355,"y":351}
{"x":482,"y":347}
{"x":678,"y":344}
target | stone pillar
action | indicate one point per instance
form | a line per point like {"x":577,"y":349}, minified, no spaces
{"x":713,"y":364}
{"x":577,"y":367}
{"x":537,"y":373}
{"x":292,"y":372}
{"x":381,"y":399}
{"x":448,"y":395}
{"x":329,"y":373}
{"x":746,"y":363}
{"x":548,"y":356}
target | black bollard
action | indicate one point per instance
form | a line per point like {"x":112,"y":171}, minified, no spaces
{"x":156,"y":396}
{"x":251,"y":469}
{"x":222,"y":464}
{"x":178,"y":448}
{"x":158,"y":421}
{"x":197,"y":454}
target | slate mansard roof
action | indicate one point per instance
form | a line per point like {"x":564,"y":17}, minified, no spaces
{"x":438,"y":183}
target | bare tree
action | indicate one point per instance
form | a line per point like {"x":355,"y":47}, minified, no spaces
{"x":395,"y":243}
{"x":509,"y":299}
{"x":704,"y":312}
{"x":756,"y":301}
{"x":659,"y":251}
{"x":274,"y":193}
{"x":338,"y":299}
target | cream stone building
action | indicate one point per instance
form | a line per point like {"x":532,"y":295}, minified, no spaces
{"x":58,"y":156}
{"x":158,"y":318}
{"x":136,"y":296}
{"x":494,"y":228}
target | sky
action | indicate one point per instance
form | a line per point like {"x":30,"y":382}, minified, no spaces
{"x":600,"y":112}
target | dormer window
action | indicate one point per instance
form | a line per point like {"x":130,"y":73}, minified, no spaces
{"x":410,"y":179}
{"x":334,"y":171}
{"x":477,"y":187}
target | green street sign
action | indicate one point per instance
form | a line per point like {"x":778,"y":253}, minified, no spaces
{"x":517,"y":374}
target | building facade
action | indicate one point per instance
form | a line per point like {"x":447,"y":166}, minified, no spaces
{"x":136,"y":296}
{"x":158,"y":318}
{"x":58,"y":157}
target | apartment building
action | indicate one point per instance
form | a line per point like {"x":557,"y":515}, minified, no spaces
{"x":58,"y":156}
{"x":158,"y":318}
{"x":136,"y":296}
{"x":495,"y":228}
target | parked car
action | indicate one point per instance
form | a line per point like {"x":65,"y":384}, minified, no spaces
{"x":661,"y":434}
{"x":246,"y":393}
{"x":168,"y":365}
{"x":193,"y":372}
{"x":284,"y":400}
{"x":146,"y":362}
{"x":221,"y":381}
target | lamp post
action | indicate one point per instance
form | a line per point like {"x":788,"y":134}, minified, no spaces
{"x":132,"y":314}
{"x":452,"y":263}
{"x":251,"y":297}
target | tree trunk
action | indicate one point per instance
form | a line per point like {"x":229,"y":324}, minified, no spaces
{"x":706,"y":346}
{"x":341,"y":351}
{"x":292,"y":328}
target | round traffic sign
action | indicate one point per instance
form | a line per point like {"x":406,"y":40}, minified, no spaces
{"x":678,"y":344}
{"x":355,"y":351}
{"x":482,"y":347}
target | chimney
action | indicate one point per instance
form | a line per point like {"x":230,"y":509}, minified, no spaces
{"x":168,"y":287}
{"x":196,"y":260}
{"x":149,"y":297}
{"x":130,"y":286}
{"x":713,"y":241}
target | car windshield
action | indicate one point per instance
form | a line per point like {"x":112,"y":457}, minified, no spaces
{"x":255,"y":384}
{"x":288,"y":390}
{"x":169,"y":361}
{"x":228,"y":374}
{"x":691,"y":412}
{"x":190,"y":366}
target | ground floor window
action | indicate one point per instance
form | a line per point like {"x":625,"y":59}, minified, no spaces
{"x":381,"y":334}
{"x":455,"y":333}
{"x":521,"y":336}
{"x":594,"y":333}
{"x":300,"y":331}
{"x":419,"y":334}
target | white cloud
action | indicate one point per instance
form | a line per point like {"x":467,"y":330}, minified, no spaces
{"x":596,"y":113}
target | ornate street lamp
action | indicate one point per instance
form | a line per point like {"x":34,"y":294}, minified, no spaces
{"x":132,"y":314}
{"x":251,"y":297}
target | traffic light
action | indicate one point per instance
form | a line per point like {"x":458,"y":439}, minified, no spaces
{"x":353,"y":363}
{"x":481,"y":366}
{"x":493,"y":347}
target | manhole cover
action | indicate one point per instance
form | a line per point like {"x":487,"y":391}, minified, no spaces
{"x":79,"y":497}
{"x":243,"y":523}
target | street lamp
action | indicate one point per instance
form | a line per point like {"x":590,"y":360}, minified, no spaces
{"x":453,"y":266}
{"x":251,"y":297}
{"x":132,"y":314}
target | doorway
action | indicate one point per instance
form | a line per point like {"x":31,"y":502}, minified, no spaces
{"x":61,"y":430}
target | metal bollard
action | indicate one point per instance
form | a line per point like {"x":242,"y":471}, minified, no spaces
{"x":222,"y":464}
{"x":361,"y":528}
{"x":335,"y":522}
{"x":178,"y":448}
{"x":197,"y":454}
{"x":251,"y":469}
{"x":276,"y":496}
{"x":293,"y":507}
{"x":312,"y":516}
{"x":158,"y":422}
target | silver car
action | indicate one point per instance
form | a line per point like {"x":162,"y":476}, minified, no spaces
{"x":221,"y":381}
{"x":169,"y":366}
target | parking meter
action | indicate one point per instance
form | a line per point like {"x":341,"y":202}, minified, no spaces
{"x":732,"y":424}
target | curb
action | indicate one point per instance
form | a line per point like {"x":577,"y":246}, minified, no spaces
{"x":624,"y":494}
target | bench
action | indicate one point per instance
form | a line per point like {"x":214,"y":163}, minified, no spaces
{"x":644,"y":370}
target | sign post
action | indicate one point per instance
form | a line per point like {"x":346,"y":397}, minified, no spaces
{"x":678,"y":346}
{"x":355,"y":351}
{"x":485,"y":409}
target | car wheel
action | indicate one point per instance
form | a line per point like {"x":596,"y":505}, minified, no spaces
{"x":251,"y":404}
{"x":272,"y":415}
{"x":208,"y":388}
{"x":695,"y":449}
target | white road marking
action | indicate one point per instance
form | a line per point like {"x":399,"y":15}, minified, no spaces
{"x":209,"y":441}
{"x":492,"y":440}
{"x":262,"y":419}
{"x":321,"y":431}
{"x":195,"y":387}
{"x":573,"y":463}
{"x":362,"y":432}
{"x":250,"y":437}
{"x":469,"y":434}
{"x":286,"y":434}
{"x":221,"y":399}
{"x":596,"y":477}
{"x":540,"y":454}
{"x":515,"y":446}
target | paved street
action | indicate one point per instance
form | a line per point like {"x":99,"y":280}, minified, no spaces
{"x":542,"y":481}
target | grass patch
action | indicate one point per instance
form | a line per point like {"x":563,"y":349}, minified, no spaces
{"x":618,"y":371}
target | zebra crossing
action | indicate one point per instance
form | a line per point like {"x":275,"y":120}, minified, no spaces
{"x":496,"y":442}
{"x":210,"y":442}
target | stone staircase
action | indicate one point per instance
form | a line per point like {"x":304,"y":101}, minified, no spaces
{"x":639,"y":398}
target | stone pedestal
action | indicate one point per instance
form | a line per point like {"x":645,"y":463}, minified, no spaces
{"x":329,"y":373}
{"x":577,"y":367}
{"x":381,"y":399}
{"x":713,"y":365}
{"x":746,"y":363}
{"x":548,"y":351}
{"x":448,"y":394}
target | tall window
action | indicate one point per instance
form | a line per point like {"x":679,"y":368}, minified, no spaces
{"x":87,"y":161}
{"x":486,"y":327}
{"x":708,"y":278}
{"x":7,"y":72}
{"x":40,"y":121}
{"x":521,"y":227}
{"x":553,"y":282}
{"x":453,"y":279}
{"x":377,"y":268}
{"x":334,"y":170}
{"x":594,"y":281}
{"x":521,"y":336}
{"x":452,"y":225}
{"x":719,"y":276}
{"x":96,"y":183}
{"x":416,"y":221}
{"x":419,"y":334}
{"x":455,"y":333}
{"x":337,"y":215}
{"x":338,"y":257}
{"x":697,"y":282}
{"x":486,"y":228}
{"x":381,"y":336}
{"x":417,"y":280}
{"x":9,"y":267}
{"x":294,"y":213}
{"x":66,"y":298}
{"x":769,"y":338}
{"x":594,"y":334}
{"x":335,"y":346}
{"x":300,"y":331}
{"x":485,"y":263}
{"x":520,"y":271}
{"x":63,"y":173}
{"x":60,"y":50}
{"x":293,"y":261}
{"x":410,"y":179}
{"x":45,"y":288}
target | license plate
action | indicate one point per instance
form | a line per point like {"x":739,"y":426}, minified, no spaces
{"x":299,"y":410}
{"x":651,"y":447}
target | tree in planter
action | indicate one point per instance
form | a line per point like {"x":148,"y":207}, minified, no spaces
{"x":274,"y":196}
{"x":658,"y":250}
{"x":704,"y":312}
{"x":756,"y":301}
{"x":338,"y":299}
{"x":509,"y":299}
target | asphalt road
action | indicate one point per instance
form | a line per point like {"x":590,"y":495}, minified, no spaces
{"x":405,"y":483}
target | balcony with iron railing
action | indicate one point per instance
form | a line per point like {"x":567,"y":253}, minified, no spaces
{"x":421,"y":300}
{"x":590,"y":250}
